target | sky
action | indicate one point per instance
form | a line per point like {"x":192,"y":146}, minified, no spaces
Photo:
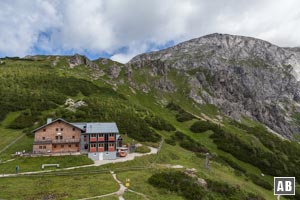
{"x":121,"y":29}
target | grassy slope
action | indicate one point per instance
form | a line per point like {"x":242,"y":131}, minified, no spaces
{"x":61,"y":187}
{"x":222,"y":172}
{"x":169,"y":155}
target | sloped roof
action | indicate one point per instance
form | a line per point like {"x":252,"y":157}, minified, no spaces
{"x":58,"y":119}
{"x":108,"y":127}
{"x":89,"y":127}
{"x":81,"y":125}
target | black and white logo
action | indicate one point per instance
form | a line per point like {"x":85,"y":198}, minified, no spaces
{"x":284,"y":185}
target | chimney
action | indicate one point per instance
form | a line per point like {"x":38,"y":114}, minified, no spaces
{"x":49,"y":120}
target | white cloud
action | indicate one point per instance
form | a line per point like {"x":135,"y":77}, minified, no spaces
{"x":21,"y":22}
{"x":97,"y":26}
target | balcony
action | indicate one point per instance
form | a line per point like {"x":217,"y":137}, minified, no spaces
{"x":111,"y":139}
{"x":93,"y":139}
{"x":100,"y":149}
{"x":101,"y":139}
{"x":111,"y":149}
{"x":42,"y":142}
{"x":93,"y":149}
{"x":65,"y":141}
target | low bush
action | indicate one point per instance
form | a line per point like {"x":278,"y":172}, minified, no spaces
{"x":179,"y":183}
{"x":188,"y":143}
{"x":233,"y":164}
{"x":252,"y":196}
{"x":142,"y":149}
{"x":221,"y":188}
{"x":170,"y":141}
{"x":181,"y":115}
{"x":159,"y":123}
{"x":260,"y":182}
{"x":202,"y":126}
{"x":184,"y":116}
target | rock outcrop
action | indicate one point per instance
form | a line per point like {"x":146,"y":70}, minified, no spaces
{"x":81,"y":60}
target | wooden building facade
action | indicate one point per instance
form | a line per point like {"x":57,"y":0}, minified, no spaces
{"x":98,"y":140}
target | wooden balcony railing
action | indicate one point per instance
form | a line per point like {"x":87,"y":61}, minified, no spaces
{"x":65,"y":141}
{"x":59,"y":141}
{"x":111,"y":149}
{"x":42,"y":142}
{"x":100,"y":149}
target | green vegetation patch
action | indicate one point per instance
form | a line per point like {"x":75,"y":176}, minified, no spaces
{"x":189,"y":187}
{"x":202,"y":126}
{"x":277,"y":157}
{"x":57,"y":187}
{"x":181,"y":115}
{"x":28,"y":164}
{"x":179,"y":183}
{"x":188,"y":143}
{"x":260,"y":182}
{"x":142,"y":149}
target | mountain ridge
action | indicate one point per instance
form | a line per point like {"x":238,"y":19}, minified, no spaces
{"x":242,"y":76}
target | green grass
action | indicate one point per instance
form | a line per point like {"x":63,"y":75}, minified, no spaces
{"x":62,"y":187}
{"x":142,"y":149}
{"x":7,"y":136}
{"x":25,"y":143}
{"x":10,"y":118}
{"x":28,"y":164}
{"x":132,"y":196}
{"x":112,"y":197}
{"x":139,"y":183}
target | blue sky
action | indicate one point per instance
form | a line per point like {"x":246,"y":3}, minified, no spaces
{"x":121,"y":29}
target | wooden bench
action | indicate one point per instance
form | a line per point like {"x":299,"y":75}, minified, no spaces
{"x":50,"y":165}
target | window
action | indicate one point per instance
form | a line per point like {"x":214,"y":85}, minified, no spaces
{"x":56,"y":137}
{"x":101,"y":135}
{"x":73,"y":129}
{"x":73,"y":137}
{"x":61,"y":129}
{"x":62,"y":145}
{"x":40,"y":147}
{"x":76,"y":145}
{"x":111,"y":144}
{"x":44,"y":130}
{"x":93,"y":145}
{"x":44,"y":138}
{"x":93,"y":135}
{"x":61,"y":137}
{"x":111,"y":135}
{"x":70,"y":145}
{"x":100,"y":145}
{"x":54,"y":146}
{"x":56,"y":129}
{"x":44,"y":147}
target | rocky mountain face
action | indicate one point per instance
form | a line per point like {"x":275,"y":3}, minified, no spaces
{"x":242,"y":76}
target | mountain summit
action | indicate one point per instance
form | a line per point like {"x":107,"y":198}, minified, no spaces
{"x":243,"y":76}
